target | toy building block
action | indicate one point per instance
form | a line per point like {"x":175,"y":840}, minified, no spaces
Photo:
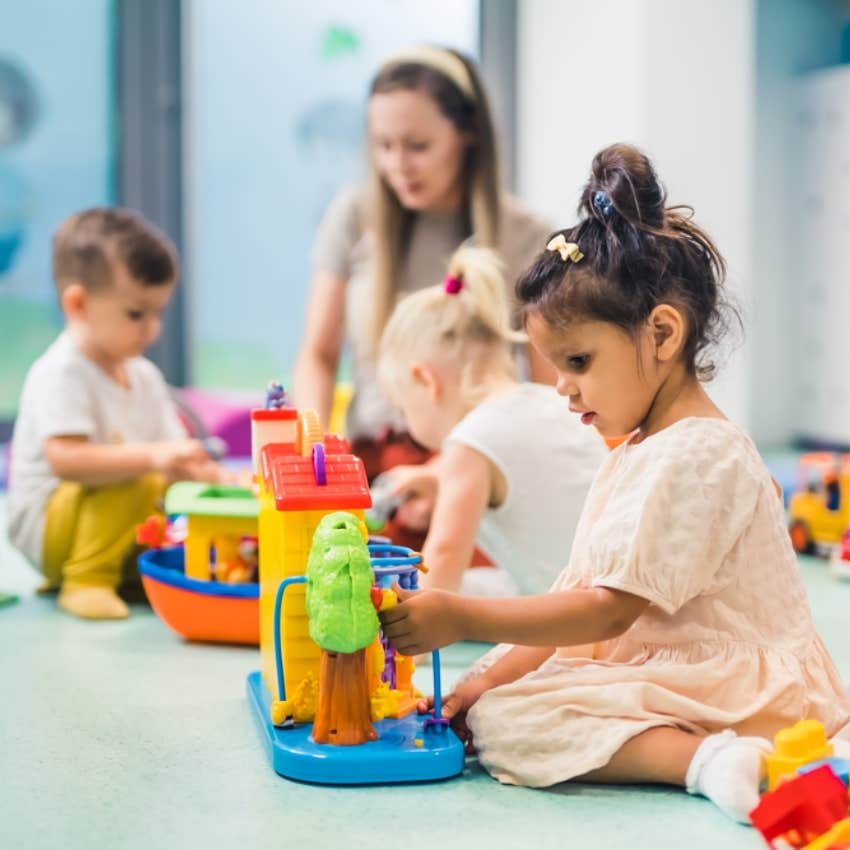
{"x":840,"y":767}
{"x":837,"y":838}
{"x":7,"y":599}
{"x":269,"y":427}
{"x":801,"y":809}
{"x":217,"y":516}
{"x":800,"y":744}
{"x":151,"y":532}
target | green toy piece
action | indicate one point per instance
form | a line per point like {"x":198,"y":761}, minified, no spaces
{"x":339,"y":577}
{"x":198,"y":498}
{"x":7,"y":599}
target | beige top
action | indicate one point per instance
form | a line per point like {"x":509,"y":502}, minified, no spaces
{"x":689,"y":520}
{"x":342,"y":247}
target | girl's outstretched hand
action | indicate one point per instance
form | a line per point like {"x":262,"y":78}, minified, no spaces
{"x":423,"y":620}
{"x":414,"y":480}
{"x":456,"y":704}
{"x":416,"y":486}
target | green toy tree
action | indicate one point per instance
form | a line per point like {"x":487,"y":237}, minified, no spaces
{"x":343,"y":622}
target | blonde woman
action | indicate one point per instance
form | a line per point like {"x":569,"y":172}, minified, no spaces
{"x":434,"y":184}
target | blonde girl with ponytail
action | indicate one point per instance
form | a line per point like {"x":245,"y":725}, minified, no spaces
{"x":514,"y":464}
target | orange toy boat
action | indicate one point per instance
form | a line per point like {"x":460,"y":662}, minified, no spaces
{"x":209,"y":611}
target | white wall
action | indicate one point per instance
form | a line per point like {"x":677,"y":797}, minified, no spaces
{"x":793,"y":36}
{"x":674,"y":78}
{"x":274,"y":111}
{"x":818,"y":257}
{"x":577,"y":90}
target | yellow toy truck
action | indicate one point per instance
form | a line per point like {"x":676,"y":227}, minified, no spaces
{"x":819,"y":512}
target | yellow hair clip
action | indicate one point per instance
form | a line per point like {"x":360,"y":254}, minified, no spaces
{"x":567,"y":250}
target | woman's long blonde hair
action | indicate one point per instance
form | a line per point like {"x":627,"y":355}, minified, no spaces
{"x":466,"y":319}
{"x":390,"y":222}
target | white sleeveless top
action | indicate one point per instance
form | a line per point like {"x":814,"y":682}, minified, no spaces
{"x":548,"y":459}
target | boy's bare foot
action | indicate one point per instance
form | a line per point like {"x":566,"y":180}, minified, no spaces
{"x":93,"y":603}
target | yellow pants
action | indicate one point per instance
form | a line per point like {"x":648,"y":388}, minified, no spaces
{"x":91,"y":531}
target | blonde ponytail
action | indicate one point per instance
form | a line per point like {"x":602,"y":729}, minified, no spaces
{"x":483,"y":293}
{"x":467,"y":318}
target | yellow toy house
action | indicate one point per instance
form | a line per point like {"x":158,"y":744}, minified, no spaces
{"x":291,"y":504}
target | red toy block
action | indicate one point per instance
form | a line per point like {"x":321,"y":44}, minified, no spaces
{"x":151,"y":532}
{"x":801,"y":809}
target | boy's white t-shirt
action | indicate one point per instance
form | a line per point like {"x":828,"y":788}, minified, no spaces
{"x":548,"y":459}
{"x":67,"y":394}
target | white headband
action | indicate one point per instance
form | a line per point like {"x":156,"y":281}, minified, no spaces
{"x":440,"y":60}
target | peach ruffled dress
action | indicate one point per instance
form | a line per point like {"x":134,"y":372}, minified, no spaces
{"x":689,"y":520}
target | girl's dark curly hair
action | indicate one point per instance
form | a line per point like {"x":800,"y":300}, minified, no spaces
{"x":638,"y":253}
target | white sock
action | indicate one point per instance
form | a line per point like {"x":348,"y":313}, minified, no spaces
{"x":729,"y":770}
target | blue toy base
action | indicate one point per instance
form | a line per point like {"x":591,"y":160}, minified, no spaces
{"x":394,"y":757}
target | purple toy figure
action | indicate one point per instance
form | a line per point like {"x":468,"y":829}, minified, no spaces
{"x":276,"y":397}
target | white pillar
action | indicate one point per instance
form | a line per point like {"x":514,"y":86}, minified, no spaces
{"x":676,"y":79}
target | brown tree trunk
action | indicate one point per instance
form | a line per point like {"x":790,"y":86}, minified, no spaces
{"x":343,"y":715}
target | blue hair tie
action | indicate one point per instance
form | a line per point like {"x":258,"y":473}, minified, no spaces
{"x":602,"y":203}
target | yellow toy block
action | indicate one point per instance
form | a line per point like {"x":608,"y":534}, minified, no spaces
{"x":302,"y":707}
{"x":389,"y":599}
{"x":389,"y":703}
{"x":800,"y":744}
{"x":375,"y":661}
{"x":835,"y":837}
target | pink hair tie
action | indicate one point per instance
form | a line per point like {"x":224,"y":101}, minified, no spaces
{"x":452,"y":285}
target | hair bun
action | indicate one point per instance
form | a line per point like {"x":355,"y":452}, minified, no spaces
{"x":623,"y":182}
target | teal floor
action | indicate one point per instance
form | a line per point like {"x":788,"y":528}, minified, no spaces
{"x":120,"y":735}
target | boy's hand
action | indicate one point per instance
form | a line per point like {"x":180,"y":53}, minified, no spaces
{"x":176,"y":459}
{"x":210,"y":472}
{"x":423,"y":620}
{"x":457,"y":703}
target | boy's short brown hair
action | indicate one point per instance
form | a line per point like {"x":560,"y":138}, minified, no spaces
{"x":87,"y":245}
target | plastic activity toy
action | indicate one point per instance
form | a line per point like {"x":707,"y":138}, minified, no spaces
{"x":819,"y":512}
{"x":802,"y":810}
{"x":343,"y":621}
{"x":798,"y":745}
{"x":206,"y":589}
{"x":333,"y":702}
{"x":806,"y":805}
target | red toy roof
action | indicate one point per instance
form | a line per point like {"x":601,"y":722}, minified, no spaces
{"x":336,"y":445}
{"x":289,"y":477}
